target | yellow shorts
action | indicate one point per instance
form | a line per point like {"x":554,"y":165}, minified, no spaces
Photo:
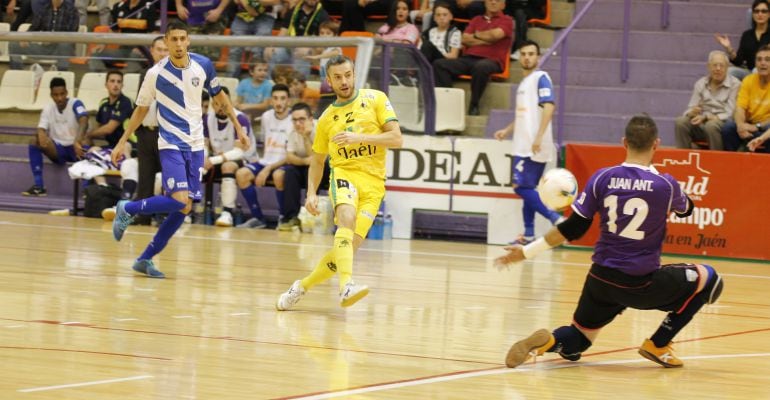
{"x":360,"y":190}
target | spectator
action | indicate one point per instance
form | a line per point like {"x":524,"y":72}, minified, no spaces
{"x":275,"y":126}
{"x":55,"y":16}
{"x":443,"y":40}
{"x":61,"y":129}
{"x":299,"y":92}
{"x":251,"y":18}
{"x":751,"y":40}
{"x":299,"y":154}
{"x":113,"y":112}
{"x":147,"y":151}
{"x":303,"y":20}
{"x":226,"y":154}
{"x":103,"y":7}
{"x":354,"y":13}
{"x":423,"y":14}
{"x":752,"y":111}
{"x":397,"y":28}
{"x":204,"y":17}
{"x":487,"y":41}
{"x":130,"y":16}
{"x":522,"y":11}
{"x":327,"y":29}
{"x":253,"y":94}
{"x":712,"y":103}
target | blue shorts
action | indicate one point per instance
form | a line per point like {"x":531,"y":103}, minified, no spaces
{"x":182,"y":170}
{"x":526,"y":173}
{"x":256,"y":167}
{"x":64,"y":154}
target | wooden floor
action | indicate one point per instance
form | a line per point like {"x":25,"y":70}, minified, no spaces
{"x":77,"y":323}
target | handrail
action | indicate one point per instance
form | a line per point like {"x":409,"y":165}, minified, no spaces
{"x":560,"y":43}
{"x":626,"y":34}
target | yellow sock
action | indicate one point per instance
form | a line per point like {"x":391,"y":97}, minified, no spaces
{"x":325,"y":269}
{"x":343,"y":254}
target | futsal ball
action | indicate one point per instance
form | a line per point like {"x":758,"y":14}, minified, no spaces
{"x":558,"y":188}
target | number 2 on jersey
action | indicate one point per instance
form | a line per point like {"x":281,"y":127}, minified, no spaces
{"x":636,"y":207}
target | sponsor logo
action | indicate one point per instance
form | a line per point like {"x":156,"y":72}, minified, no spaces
{"x":196,"y":81}
{"x":170,"y":183}
{"x":695,"y":185}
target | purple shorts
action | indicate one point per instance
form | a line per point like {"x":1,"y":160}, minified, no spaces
{"x":182,"y":170}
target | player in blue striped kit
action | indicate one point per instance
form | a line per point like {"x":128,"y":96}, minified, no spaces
{"x":176,"y":83}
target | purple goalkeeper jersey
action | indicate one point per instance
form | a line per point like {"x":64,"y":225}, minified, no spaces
{"x":634,"y":203}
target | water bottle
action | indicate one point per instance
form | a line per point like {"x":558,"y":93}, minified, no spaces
{"x":375,"y":233}
{"x":387,"y":232}
{"x":208,"y":214}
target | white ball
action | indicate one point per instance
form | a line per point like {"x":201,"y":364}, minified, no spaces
{"x":558,"y":188}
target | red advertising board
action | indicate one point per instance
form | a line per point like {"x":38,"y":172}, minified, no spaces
{"x":729,"y":191}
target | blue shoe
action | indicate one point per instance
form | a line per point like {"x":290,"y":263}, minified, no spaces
{"x":122,"y":220}
{"x":522,"y":240}
{"x":147,"y":267}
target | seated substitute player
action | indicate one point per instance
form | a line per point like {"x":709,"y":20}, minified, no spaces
{"x":633,"y":201}
{"x":226,"y":154}
{"x":60,"y":132}
{"x":355,"y":132}
{"x":275,"y":127}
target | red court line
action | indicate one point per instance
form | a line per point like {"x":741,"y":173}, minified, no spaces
{"x":101,"y":353}
{"x":502,"y":368}
{"x":80,"y":325}
{"x":474,"y":193}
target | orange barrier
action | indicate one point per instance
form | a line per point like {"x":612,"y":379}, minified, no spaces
{"x":728,"y":189}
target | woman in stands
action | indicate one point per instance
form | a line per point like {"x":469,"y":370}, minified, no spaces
{"x":751,"y":40}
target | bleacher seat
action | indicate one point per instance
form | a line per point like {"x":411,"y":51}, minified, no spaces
{"x":546,"y":20}
{"x":350,"y":52}
{"x":131,"y":85}
{"x":230,"y":83}
{"x":502,"y":76}
{"x":43,"y":94}
{"x":406,"y":104}
{"x":91,"y":90}
{"x":17,"y":89}
{"x":4,"y":27}
{"x":450,"y":109}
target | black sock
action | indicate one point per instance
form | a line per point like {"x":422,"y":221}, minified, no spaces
{"x":569,"y":341}
{"x":129,"y":187}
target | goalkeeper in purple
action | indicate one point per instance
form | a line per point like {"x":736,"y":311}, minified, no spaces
{"x":633,"y":201}
{"x":176,"y":83}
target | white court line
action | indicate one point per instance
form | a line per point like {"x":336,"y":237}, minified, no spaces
{"x":181,"y":316}
{"x":71,"y":385}
{"x":500,"y":371}
{"x":14,"y":326}
{"x":325,"y":246}
{"x":70,"y":323}
{"x":125,"y":319}
{"x":238,"y":314}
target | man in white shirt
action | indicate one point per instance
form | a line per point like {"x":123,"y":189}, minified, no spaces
{"x":299,"y":154}
{"x":276,"y":125}
{"x":533,"y":145}
{"x":62,"y":127}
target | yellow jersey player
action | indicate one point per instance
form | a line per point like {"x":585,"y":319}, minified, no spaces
{"x":355,"y":132}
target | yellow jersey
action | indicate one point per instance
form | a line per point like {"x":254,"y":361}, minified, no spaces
{"x":366,"y":113}
{"x":754,"y":99}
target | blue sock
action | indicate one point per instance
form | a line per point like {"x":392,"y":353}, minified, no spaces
{"x":528,"y":211}
{"x":532,"y":199}
{"x":250,"y":195}
{"x":36,"y":163}
{"x":279,"y":196}
{"x":154,"y":205}
{"x":165,"y":231}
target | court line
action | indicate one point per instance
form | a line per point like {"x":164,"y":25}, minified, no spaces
{"x":364,"y":249}
{"x":497,"y":371}
{"x":81,"y":384}
{"x":556,"y":362}
{"x":99,"y":353}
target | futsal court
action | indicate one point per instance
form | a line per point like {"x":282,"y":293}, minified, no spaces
{"x":78,"y":323}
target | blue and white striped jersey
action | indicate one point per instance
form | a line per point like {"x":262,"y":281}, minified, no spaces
{"x":178,"y":94}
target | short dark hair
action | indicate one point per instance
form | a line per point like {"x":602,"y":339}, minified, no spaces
{"x":156,"y":40}
{"x":58,"y":82}
{"x":226,"y":90}
{"x":113,"y":72}
{"x":338,"y":60}
{"x":176,"y":26}
{"x":297,"y":76}
{"x":255,"y":62}
{"x":205,"y":96}
{"x":443,"y":4}
{"x":641,"y":132}
{"x":280,"y":87}
{"x":528,"y":42}
{"x":302,"y":106}
{"x":764,"y":47}
{"x":331,"y":25}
